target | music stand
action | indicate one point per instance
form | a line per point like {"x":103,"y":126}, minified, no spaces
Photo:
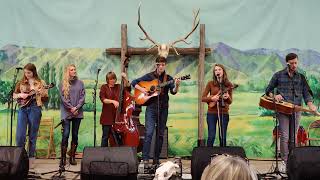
{"x":275,"y":171}
{"x":58,"y":173}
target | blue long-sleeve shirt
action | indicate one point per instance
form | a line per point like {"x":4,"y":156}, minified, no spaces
{"x":164,"y":97}
{"x":293,"y":89}
{"x":77,"y":99}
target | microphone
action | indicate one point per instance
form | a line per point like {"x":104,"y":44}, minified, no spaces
{"x":288,"y":65}
{"x":19,"y":68}
{"x":218,"y":77}
{"x":99,"y":70}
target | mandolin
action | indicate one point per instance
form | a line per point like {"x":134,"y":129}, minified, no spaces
{"x":282,"y":106}
{"x":153,"y":87}
{"x":234,"y":86}
{"x":31,"y":95}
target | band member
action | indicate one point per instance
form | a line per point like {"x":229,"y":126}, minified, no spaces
{"x":72,"y":94}
{"x":151,"y":115}
{"x":109,"y":96}
{"x":218,"y":104}
{"x":292,"y":87}
{"x":29,"y":115}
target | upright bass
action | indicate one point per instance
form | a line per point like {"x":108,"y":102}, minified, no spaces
{"x":124,"y":127}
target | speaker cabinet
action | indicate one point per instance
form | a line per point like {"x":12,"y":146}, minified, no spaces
{"x":304,"y":163}
{"x":14,"y":162}
{"x":109,"y":163}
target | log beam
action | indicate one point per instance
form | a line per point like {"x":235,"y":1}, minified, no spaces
{"x":145,"y":51}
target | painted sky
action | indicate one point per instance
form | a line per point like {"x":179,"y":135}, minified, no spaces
{"x":246,"y":24}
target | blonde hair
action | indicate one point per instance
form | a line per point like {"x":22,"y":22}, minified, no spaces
{"x":224,"y":167}
{"x":66,"y":81}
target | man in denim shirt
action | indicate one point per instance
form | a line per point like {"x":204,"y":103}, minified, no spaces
{"x":290,"y":86}
{"x":151,"y":114}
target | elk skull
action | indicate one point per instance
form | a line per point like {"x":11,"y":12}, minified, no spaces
{"x":163,"y":49}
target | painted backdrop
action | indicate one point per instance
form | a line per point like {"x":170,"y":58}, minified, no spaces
{"x":250,"y":38}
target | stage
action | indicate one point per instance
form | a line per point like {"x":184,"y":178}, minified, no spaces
{"x":46,"y":165}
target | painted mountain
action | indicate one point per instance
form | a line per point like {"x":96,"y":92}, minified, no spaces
{"x":249,"y":67}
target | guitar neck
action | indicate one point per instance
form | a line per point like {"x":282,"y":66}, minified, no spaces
{"x":165,"y":83}
{"x":300,"y":108}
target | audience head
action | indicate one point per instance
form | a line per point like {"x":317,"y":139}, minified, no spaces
{"x":226,"y":167}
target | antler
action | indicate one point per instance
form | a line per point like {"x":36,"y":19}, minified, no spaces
{"x":147,"y":37}
{"x":195,"y":24}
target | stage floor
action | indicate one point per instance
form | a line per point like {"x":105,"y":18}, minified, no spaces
{"x":47,"y":165}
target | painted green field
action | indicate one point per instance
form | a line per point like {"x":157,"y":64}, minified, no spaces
{"x":246,"y":127}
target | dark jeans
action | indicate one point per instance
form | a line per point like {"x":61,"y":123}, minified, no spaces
{"x":75,"y":129}
{"x":28,"y":116}
{"x":105,"y":135}
{"x":150,"y":122}
{"x":212,"y":120}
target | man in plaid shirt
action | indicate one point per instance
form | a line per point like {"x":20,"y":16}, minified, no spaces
{"x":291,"y":86}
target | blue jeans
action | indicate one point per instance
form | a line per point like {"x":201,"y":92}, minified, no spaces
{"x":212,"y":120}
{"x":150,"y":122}
{"x":75,"y":129}
{"x":106,"y":129}
{"x":28,"y":116}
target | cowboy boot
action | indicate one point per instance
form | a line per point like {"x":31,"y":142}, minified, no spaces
{"x":72,"y":154}
{"x":63,"y":157}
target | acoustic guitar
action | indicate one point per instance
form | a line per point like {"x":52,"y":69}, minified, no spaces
{"x":282,"y":106}
{"x":153,"y":88}
{"x":25,"y":102}
{"x":234,"y":86}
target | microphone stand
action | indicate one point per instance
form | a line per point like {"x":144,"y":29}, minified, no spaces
{"x":220,"y":106}
{"x":94,"y":98}
{"x":276,"y":171}
{"x":157,"y":149}
{"x":292,"y":122}
{"x":10,"y":102}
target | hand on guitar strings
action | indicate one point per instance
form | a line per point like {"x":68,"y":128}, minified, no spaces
{"x":215,"y":98}
{"x":225,"y":96}
{"x":177,"y":82}
{"x":278,"y":97}
{"x":23,"y":95}
{"x":149,"y":93}
{"x":313,"y":108}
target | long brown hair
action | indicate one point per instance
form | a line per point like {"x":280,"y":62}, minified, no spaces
{"x":31,"y":67}
{"x":225,"y":79}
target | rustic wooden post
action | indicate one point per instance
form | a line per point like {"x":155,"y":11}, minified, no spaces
{"x":201,"y":141}
{"x":124,"y":45}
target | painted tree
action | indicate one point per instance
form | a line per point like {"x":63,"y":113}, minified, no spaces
{"x":54,"y":100}
{"x":4,"y":91}
{"x":44,"y":75}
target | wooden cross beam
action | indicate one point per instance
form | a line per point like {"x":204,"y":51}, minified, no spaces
{"x":202,"y":51}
